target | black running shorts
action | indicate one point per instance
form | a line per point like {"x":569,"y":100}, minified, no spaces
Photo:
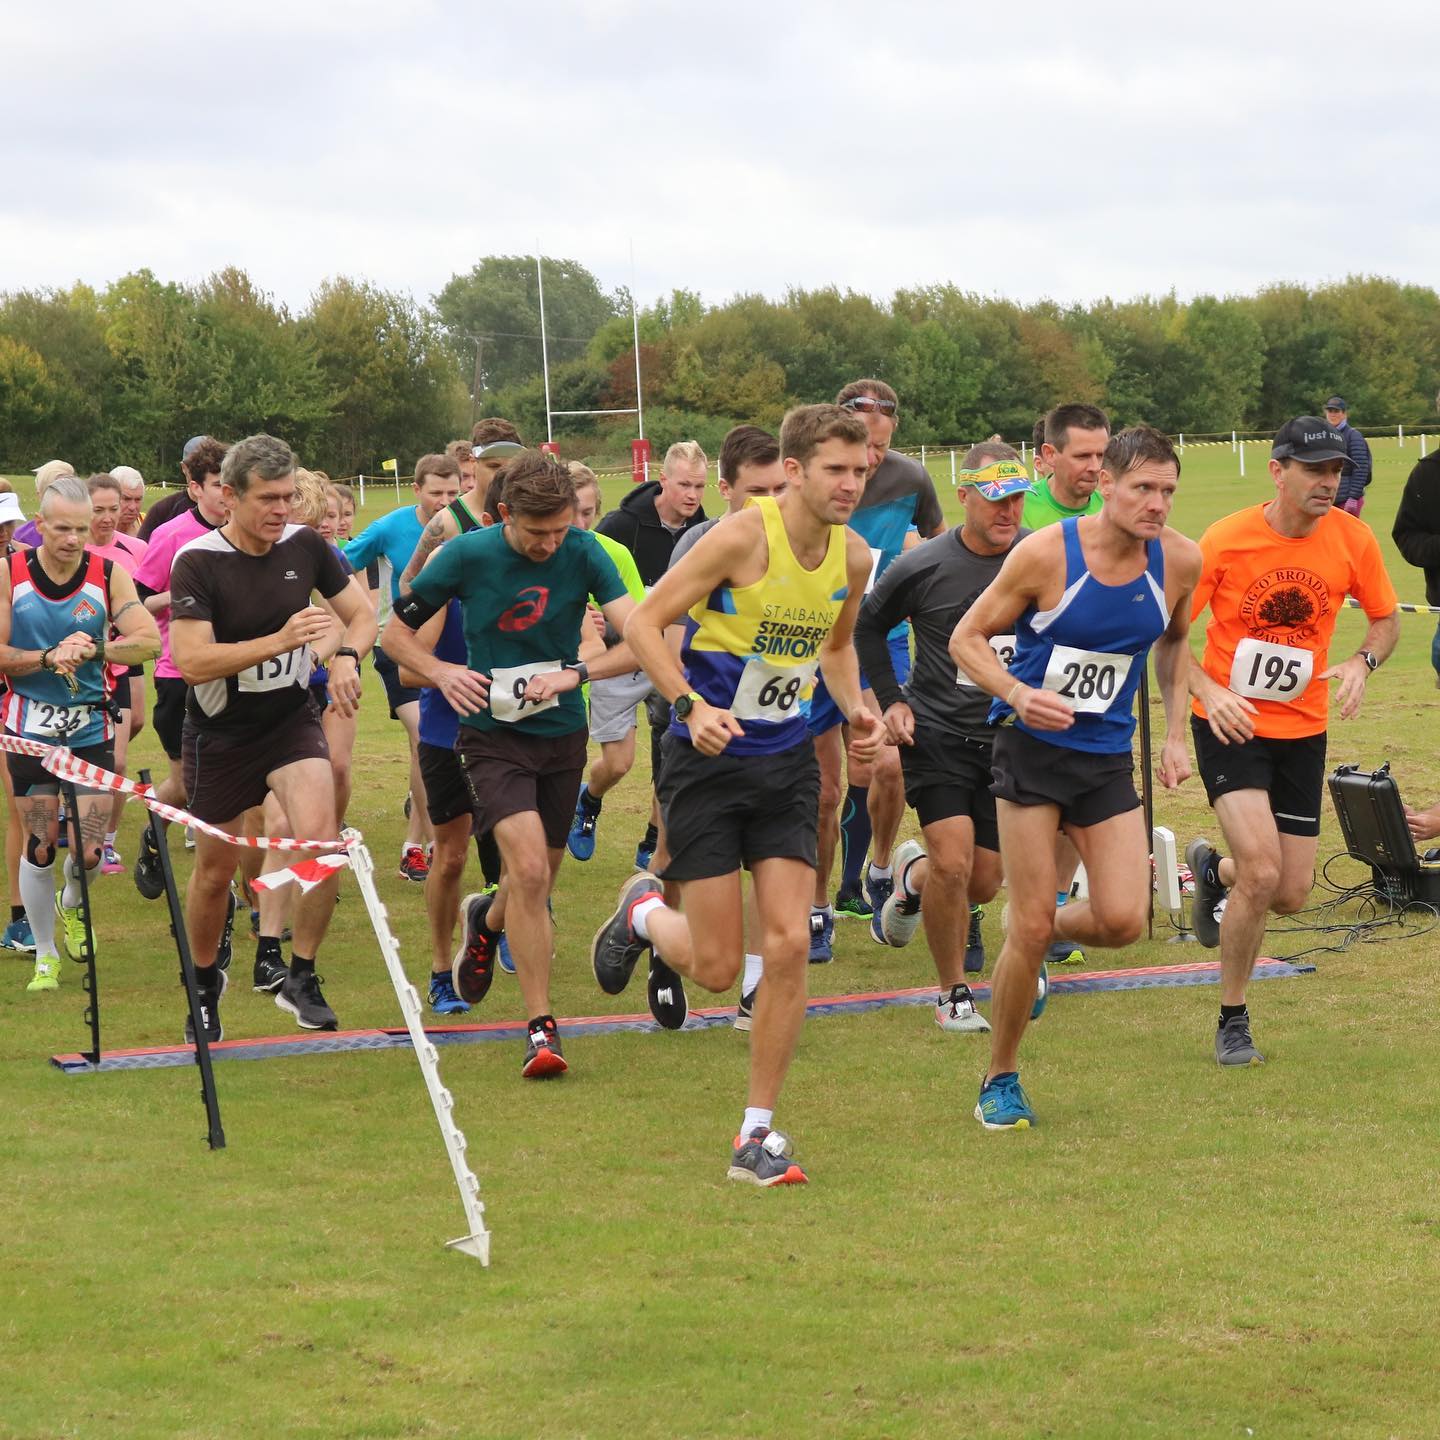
{"x":447,"y":794}
{"x":226,"y":776}
{"x":1291,"y":772}
{"x":168,"y":713}
{"x":946,"y":776}
{"x":510,"y":773}
{"x":1087,"y":786}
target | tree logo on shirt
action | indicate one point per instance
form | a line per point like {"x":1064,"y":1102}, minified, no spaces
{"x":528,"y":609}
{"x":1286,"y":605}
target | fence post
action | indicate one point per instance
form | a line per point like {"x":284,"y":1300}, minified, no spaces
{"x":1422,"y":444}
{"x":1241,"y":448}
{"x":1400,"y":432}
{"x":922,"y":454}
{"x":1234,"y":446}
{"x":1182,"y":442}
{"x":952,"y":469}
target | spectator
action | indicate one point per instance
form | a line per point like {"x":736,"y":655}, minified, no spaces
{"x":1416,"y":533}
{"x":1356,"y":476}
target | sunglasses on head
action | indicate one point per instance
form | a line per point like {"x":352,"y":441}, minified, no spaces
{"x":866,"y":403}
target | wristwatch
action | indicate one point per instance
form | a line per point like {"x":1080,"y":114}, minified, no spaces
{"x":684,"y":704}
{"x":579,"y":667}
{"x":1369,"y":660}
{"x":347,"y":650}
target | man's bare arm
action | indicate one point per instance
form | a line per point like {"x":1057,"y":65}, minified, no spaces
{"x":441,"y":527}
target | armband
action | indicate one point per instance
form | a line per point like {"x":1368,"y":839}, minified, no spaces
{"x":411,"y":610}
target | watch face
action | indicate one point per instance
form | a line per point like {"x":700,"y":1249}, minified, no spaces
{"x":683,"y":706}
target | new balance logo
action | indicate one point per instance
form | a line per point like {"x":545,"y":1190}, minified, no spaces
{"x":1137,"y":599}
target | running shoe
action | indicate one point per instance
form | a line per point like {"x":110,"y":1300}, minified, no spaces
{"x":189,"y":837}
{"x":18,"y":935}
{"x":543,"y":1056}
{"x":301,"y":995}
{"x":581,"y":839}
{"x":1204,"y":862}
{"x":975,"y":943}
{"x":285,"y":935}
{"x":72,"y":929}
{"x":46,"y":976}
{"x":1003,"y":1104}
{"x":110,"y":861}
{"x":957,"y":1012}
{"x":878,"y":889}
{"x":745,"y":1012}
{"x":645,"y":853}
{"x":1065,"y":952}
{"x":616,"y":947}
{"x":149,"y":878}
{"x":443,"y":999}
{"x":502,"y":951}
{"x":666,"y":994}
{"x":226,"y":950}
{"x":413,"y":864}
{"x":1233,"y":1042}
{"x":473,"y":968}
{"x":1042,"y":992}
{"x":899,"y":917}
{"x":271,"y":972}
{"x":763,"y":1158}
{"x":822,"y":938}
{"x":852,"y":905}
{"x":209,"y":996}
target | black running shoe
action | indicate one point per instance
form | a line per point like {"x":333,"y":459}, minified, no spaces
{"x":271,"y":973}
{"x":300,"y":995}
{"x":543,"y":1056}
{"x":745,"y":1011}
{"x":1204,"y":862}
{"x":149,"y":878}
{"x":209,"y":1007}
{"x":473,"y":967}
{"x":616,"y":947}
{"x":666,"y":993}
{"x":226,"y":951}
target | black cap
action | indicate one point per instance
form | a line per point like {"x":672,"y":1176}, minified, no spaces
{"x":1337,"y":402}
{"x":1310,"y":439}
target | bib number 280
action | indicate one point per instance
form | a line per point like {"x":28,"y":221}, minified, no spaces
{"x":1089,"y":679}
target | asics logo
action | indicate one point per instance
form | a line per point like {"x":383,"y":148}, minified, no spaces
{"x":528,"y":610}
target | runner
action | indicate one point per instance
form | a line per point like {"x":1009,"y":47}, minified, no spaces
{"x":898,"y":494}
{"x":177,"y":502}
{"x":1275,"y":579}
{"x":242,"y":627}
{"x":393,"y":538}
{"x":769,"y":594}
{"x":941,"y":723}
{"x":57,"y":606}
{"x":1085,"y":600}
{"x":132,"y":499}
{"x":17,"y":934}
{"x":522,"y":588}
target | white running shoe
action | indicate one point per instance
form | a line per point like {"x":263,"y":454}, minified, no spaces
{"x":958,"y":1013}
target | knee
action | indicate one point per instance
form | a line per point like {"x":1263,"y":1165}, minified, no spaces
{"x":92,"y":856}
{"x":1290,"y":898}
{"x":447,"y":863}
{"x":829,"y":795}
{"x":1030,"y":934}
{"x":1259,"y":876}
{"x":527,"y":874}
{"x":949,"y":872}
{"x":39,"y":851}
{"x":1117,"y":928}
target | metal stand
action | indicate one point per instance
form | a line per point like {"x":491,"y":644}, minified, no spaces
{"x":1147,"y":798}
{"x":91,"y":982}
{"x":216,"y":1136}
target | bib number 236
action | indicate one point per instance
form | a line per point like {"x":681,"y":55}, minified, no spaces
{"x":1089,"y":679}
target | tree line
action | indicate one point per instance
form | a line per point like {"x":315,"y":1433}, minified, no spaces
{"x":124,"y":375}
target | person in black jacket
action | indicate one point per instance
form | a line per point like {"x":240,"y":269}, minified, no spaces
{"x":1416,"y":533}
{"x":1351,"y":494}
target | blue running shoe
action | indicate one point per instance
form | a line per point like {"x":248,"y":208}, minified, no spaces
{"x":975,"y":943}
{"x":851,"y":904}
{"x":878,"y":891}
{"x":822,"y":938}
{"x":644,"y":854}
{"x":581,"y":839}
{"x":507,"y":961}
{"x":17,"y":936}
{"x":1003,"y":1105}
{"x":1042,"y":992}
{"x":443,"y":999}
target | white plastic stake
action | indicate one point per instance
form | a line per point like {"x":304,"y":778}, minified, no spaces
{"x":1400,"y":433}
{"x":1241,"y":448}
{"x":922,"y":454}
{"x":477,"y":1242}
{"x":952,"y":469}
{"x":1422,"y":444}
{"x":1182,"y":442}
{"x":1234,"y":445}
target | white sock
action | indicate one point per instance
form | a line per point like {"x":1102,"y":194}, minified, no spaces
{"x":880,"y":872}
{"x":826,"y":910}
{"x":110,"y":838}
{"x":754,"y":969}
{"x":754,"y":1119}
{"x":640,"y":914}
{"x":37,"y":891}
{"x":70,"y":895}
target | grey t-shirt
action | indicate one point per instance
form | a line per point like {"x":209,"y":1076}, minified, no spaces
{"x":932,"y":586}
{"x":690,"y":537}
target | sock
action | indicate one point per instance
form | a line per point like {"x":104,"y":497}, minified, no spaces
{"x":827,"y":910}
{"x":110,"y":838}
{"x":17,"y":913}
{"x":854,"y":837}
{"x":70,"y":895}
{"x":441,"y":977}
{"x":299,"y":965}
{"x":207,"y":980}
{"x":652,"y":838}
{"x":1061,"y":896}
{"x":881,"y":872}
{"x":1229,"y":1012}
{"x":590,"y":803}
{"x":489,"y":853}
{"x":267,"y":947}
{"x":754,"y":969}
{"x":904,"y":878}
{"x":1003,"y":1075}
{"x":755,"y":1119}
{"x":640,"y":912}
{"x":37,"y":889}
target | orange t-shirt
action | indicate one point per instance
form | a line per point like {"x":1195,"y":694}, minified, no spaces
{"x":1273,"y":605}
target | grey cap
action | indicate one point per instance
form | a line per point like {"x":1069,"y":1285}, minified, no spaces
{"x":193,"y":444}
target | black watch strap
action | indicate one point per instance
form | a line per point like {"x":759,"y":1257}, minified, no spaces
{"x":348,"y":650}
{"x":1370,"y":660}
{"x":579,"y":667}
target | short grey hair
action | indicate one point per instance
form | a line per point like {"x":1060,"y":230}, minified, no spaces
{"x":65,"y":487}
{"x":261,"y":457}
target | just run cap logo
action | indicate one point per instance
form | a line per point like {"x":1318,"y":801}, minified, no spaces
{"x":1308,"y":438}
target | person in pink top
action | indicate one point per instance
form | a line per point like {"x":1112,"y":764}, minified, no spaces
{"x":106,"y":500}
{"x":152,"y":580}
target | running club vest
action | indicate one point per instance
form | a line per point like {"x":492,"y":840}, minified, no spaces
{"x":754,"y":649}
{"x":1091,"y":650}
{"x":42,"y":706}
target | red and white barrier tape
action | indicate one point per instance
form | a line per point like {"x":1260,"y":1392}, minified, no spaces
{"x":65,"y":765}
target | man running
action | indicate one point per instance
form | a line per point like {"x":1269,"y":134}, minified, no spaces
{"x":768,"y":594}
{"x":1085,"y":600}
{"x":1275,"y":578}
{"x":940,"y":722}
{"x":523,"y":587}
{"x":58,"y":603}
{"x":242,"y":624}
{"x":132,"y":499}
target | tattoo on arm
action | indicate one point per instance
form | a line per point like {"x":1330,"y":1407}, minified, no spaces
{"x":431,"y":538}
{"x":128,"y":605}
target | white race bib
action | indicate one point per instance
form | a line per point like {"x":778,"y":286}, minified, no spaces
{"x":1004,"y":648}
{"x":1089,"y":679}
{"x":876,"y":556}
{"x":55,"y":722}
{"x":770,"y":692}
{"x":507,"y":691}
{"x":1262,"y":671}
{"x":291,"y":668}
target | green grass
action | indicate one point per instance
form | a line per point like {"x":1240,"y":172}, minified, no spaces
{"x":1173,"y":1251}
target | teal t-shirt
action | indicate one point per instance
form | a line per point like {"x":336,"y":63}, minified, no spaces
{"x":521,"y":618}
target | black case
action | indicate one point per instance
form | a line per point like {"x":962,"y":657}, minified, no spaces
{"x":1372,"y":821}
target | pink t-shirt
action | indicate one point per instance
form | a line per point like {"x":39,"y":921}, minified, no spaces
{"x":154,"y":574}
{"x":124,"y":550}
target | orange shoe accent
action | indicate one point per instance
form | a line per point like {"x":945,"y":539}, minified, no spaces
{"x":545,"y":1064}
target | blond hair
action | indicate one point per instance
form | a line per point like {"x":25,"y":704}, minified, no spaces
{"x":311,"y":495}
{"x":685,"y":452}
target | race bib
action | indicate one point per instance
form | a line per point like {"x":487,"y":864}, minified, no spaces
{"x":507,"y":691}
{"x":1004,"y":648}
{"x":277,"y":673}
{"x":1263,"y":671}
{"x":770,"y":692}
{"x":876,"y":556}
{"x":1089,"y":679}
{"x":55,"y":722}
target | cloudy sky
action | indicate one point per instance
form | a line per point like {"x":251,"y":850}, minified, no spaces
{"x":1024,"y":148}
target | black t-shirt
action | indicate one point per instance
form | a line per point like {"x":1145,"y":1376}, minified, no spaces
{"x":167,"y":507}
{"x":244,"y":597}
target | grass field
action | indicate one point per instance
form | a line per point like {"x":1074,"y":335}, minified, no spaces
{"x":1175,"y":1250}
